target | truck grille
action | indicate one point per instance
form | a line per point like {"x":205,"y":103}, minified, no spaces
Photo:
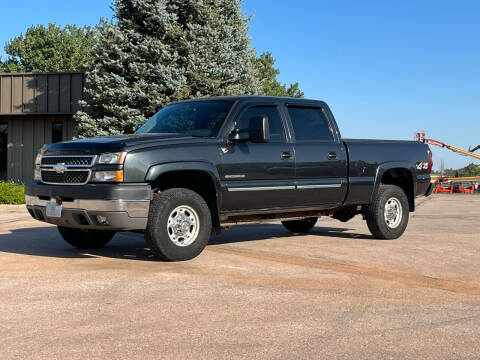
{"x":66,"y":169}
{"x":68,"y":177}
{"x":68,"y":160}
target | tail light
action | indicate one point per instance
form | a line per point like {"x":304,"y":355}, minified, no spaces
{"x":430,"y":161}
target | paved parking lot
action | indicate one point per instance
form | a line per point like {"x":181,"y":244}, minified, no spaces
{"x":255,"y":292}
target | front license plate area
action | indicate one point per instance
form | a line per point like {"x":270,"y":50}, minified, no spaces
{"x":54,"y":210}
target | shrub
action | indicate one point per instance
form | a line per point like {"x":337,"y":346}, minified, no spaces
{"x":12,"y":193}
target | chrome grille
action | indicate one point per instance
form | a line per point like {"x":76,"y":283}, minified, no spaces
{"x":73,"y":160}
{"x":66,"y":169}
{"x":78,"y":177}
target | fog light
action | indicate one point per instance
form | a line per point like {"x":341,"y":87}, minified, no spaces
{"x":102,"y":220}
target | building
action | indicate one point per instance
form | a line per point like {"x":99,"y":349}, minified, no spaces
{"x":35,"y":109}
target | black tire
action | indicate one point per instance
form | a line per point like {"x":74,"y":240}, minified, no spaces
{"x":85,"y":238}
{"x":300,"y":226}
{"x":158,"y":233}
{"x":376,"y":220}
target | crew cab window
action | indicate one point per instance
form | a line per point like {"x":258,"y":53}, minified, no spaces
{"x":309,"y":124}
{"x":274,"y":120}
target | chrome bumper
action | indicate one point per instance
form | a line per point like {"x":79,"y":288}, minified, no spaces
{"x":134,"y":208}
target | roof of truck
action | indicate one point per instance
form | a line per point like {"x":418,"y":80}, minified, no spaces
{"x":256,"y":98}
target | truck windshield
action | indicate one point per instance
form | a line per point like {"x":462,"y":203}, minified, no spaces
{"x":196,"y":118}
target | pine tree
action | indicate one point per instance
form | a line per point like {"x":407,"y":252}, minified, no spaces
{"x":267,"y":73}
{"x":159,"y":51}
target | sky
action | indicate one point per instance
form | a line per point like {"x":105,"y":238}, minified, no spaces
{"x":386,"y":68}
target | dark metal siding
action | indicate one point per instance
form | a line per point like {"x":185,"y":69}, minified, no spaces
{"x":26,"y":135}
{"x":48,"y":93}
{"x":29,"y":104}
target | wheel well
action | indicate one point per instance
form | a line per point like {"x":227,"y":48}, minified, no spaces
{"x":403,"y":179}
{"x":196,"y":180}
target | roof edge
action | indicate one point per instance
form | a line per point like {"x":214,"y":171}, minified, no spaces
{"x":41,"y":73}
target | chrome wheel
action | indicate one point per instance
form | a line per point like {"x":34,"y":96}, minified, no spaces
{"x":183,"y":225}
{"x":393,"y":212}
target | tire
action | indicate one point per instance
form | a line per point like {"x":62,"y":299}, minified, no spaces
{"x":300,"y":226}
{"x":179,"y":225}
{"x":382,"y":225}
{"x":85,"y":238}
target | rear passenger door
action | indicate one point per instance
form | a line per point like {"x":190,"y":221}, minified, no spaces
{"x":320,"y":157}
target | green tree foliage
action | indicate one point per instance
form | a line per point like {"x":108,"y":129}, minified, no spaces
{"x":50,"y":48}
{"x":267,"y":75}
{"x":159,"y":51}
{"x":469,"y":170}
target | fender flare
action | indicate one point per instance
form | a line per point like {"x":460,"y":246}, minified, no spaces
{"x":159,"y":169}
{"x":384,"y":167}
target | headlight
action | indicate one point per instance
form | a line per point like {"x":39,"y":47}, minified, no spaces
{"x":112,"y":158}
{"x":108,"y":176}
{"x":38,"y":159}
{"x":37,"y":175}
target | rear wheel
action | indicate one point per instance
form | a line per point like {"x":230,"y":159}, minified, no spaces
{"x":300,"y":226}
{"x":387,"y":216}
{"x":85,"y":238}
{"x":179,"y":225}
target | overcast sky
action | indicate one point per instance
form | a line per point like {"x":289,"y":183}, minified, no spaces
{"x":387,"y":68}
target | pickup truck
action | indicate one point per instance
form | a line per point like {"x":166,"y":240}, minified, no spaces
{"x":199,"y":166}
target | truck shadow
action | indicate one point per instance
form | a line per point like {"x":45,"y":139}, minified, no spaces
{"x":47,"y":242}
{"x":256,"y":232}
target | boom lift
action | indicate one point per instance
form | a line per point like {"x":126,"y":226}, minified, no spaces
{"x":420,"y":136}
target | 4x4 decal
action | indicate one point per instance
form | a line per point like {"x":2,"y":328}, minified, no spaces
{"x":422,"y":165}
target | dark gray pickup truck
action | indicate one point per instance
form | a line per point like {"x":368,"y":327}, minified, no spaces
{"x":199,"y":166}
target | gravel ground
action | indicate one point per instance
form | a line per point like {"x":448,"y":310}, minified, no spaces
{"x":255,"y":292}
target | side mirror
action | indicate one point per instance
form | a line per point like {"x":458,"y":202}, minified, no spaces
{"x":258,"y":131}
{"x":238,"y":135}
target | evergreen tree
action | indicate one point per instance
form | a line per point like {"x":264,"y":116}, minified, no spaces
{"x":267,"y":75}
{"x":159,"y":51}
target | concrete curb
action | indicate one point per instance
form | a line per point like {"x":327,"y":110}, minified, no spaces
{"x":5,"y":208}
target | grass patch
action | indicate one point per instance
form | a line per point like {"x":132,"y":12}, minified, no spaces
{"x":12,"y":193}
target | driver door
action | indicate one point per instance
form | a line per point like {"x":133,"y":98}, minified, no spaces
{"x":258,"y":175}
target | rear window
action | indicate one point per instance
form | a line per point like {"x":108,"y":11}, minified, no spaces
{"x":309,"y":124}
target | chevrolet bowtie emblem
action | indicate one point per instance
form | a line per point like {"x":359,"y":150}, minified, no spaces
{"x":59,"y":168}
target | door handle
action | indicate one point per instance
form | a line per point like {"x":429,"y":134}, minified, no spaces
{"x":286,"y":155}
{"x":332,"y":155}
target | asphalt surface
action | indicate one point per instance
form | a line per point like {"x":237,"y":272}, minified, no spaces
{"x":255,"y":292}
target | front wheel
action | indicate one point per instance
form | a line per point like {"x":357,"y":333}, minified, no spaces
{"x":85,"y":238}
{"x":300,"y":226}
{"x":387,"y":216}
{"x":179,"y":225}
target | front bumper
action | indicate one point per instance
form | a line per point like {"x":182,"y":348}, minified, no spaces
{"x":93,"y":206}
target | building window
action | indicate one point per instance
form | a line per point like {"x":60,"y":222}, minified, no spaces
{"x":57,"y":132}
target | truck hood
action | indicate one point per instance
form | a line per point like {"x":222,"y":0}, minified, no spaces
{"x":105,"y":144}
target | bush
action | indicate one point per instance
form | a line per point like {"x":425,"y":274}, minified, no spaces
{"x":11,"y":193}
